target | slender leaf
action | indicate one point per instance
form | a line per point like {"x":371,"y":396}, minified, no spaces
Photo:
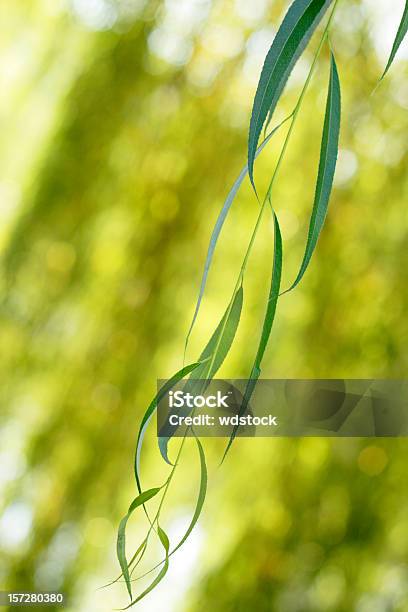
{"x":327,"y":167}
{"x":163,"y":539}
{"x":138,"y":555}
{"x":166,"y":545}
{"x":121,"y":541}
{"x":140,"y":551}
{"x":151,"y":410}
{"x":402,"y":30}
{"x":213,"y":355}
{"x":220,"y":343}
{"x":218,"y":227}
{"x":293,"y":35}
{"x":266,"y":328}
{"x":198,"y":507}
{"x":200,"y":499}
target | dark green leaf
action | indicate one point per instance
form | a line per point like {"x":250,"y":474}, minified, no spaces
{"x":266,"y":328}
{"x":327,"y":166}
{"x":200,"y":499}
{"x":402,"y":30}
{"x":293,"y":35}
{"x":273,"y":295}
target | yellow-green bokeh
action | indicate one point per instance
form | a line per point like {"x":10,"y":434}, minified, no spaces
{"x":124,"y":124}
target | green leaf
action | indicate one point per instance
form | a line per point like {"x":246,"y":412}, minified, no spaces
{"x":138,"y":555}
{"x":220,"y":343}
{"x":121,"y":540}
{"x":166,"y":545}
{"x":163,"y":539}
{"x":293,"y":35}
{"x":218,"y":227}
{"x":140,"y":551}
{"x":327,"y":166}
{"x":402,"y":30}
{"x":143,"y":498}
{"x":151,"y":410}
{"x":266,"y":328}
{"x":273,"y":296}
{"x":198,"y":507}
{"x":200,"y":499}
{"x":213,"y":355}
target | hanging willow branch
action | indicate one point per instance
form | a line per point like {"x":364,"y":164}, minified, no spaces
{"x":294,"y":34}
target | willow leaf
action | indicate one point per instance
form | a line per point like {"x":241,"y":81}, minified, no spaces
{"x":151,"y":410}
{"x":139,"y":551}
{"x":220,"y":343}
{"x":166,"y":545}
{"x":197,"y":511}
{"x":164,"y":539}
{"x":121,"y":540}
{"x":200,"y":499}
{"x":138,"y":555}
{"x":266,"y":328}
{"x":402,"y":30}
{"x":327,"y":167}
{"x":290,"y":41}
{"x":212,"y":356}
{"x":218,"y":227}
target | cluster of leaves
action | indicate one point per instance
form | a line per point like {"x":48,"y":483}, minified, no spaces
{"x":294,"y":34}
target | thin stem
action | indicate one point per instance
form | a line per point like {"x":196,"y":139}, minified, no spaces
{"x":166,"y":486}
{"x":266,"y":199}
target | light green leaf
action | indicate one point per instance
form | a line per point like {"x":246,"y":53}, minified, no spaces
{"x":327,"y":166}
{"x":218,"y":227}
{"x":219,"y":345}
{"x":213,"y":355}
{"x":166,"y":545}
{"x":198,"y":507}
{"x":402,"y":30}
{"x":151,"y":410}
{"x":200,"y":499}
{"x":121,"y":540}
{"x":163,"y":539}
{"x":266,"y":328}
{"x":140,"y":551}
{"x":293,"y":35}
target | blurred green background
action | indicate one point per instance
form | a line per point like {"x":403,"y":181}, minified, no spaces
{"x":124,"y":123}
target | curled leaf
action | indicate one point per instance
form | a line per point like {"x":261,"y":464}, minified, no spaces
{"x":151,"y":410}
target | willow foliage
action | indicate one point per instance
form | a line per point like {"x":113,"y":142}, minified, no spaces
{"x":293,"y":36}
